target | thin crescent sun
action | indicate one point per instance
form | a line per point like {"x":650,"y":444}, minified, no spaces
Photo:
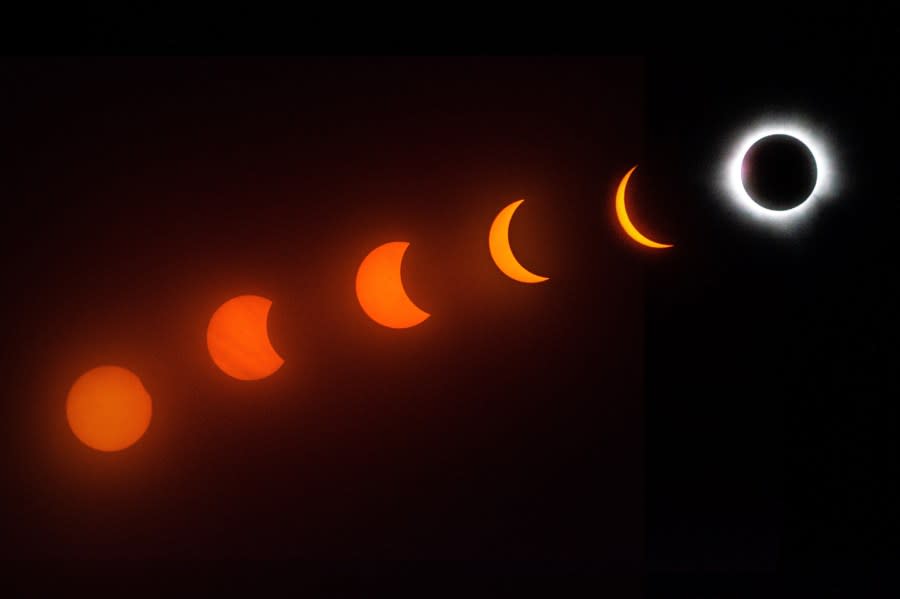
{"x":501,"y":252}
{"x":380,"y":291}
{"x":625,"y":221}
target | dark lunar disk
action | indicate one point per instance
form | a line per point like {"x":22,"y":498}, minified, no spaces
{"x":779,"y":172}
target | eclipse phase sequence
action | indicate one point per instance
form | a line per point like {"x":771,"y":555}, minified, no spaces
{"x":775,"y":174}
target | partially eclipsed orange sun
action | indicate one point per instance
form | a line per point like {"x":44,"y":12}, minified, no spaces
{"x":238,"y":339}
{"x":108,"y":408}
{"x":380,"y":291}
{"x":501,"y":252}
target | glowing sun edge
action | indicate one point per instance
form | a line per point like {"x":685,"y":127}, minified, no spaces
{"x":825,"y":176}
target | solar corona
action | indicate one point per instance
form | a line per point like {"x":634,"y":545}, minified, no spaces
{"x":803,"y":149}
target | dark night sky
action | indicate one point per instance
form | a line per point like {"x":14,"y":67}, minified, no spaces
{"x":724,"y":407}
{"x":770,"y":394}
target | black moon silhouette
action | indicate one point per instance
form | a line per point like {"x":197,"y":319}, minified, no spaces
{"x":779,"y":172}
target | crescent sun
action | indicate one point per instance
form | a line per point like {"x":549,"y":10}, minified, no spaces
{"x":501,"y":252}
{"x":380,"y":291}
{"x":625,"y":221}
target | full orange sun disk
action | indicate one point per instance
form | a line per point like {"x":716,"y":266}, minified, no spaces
{"x":108,"y":408}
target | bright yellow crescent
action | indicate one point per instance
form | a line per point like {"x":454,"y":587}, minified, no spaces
{"x":626,"y":223}
{"x":498,"y":242}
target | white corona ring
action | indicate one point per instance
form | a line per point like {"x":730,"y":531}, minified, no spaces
{"x":733,"y":185}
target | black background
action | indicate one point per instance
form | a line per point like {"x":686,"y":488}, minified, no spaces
{"x":770,"y":385}
{"x":717,"y":418}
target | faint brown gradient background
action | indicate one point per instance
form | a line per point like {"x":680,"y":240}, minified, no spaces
{"x":140,"y":194}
